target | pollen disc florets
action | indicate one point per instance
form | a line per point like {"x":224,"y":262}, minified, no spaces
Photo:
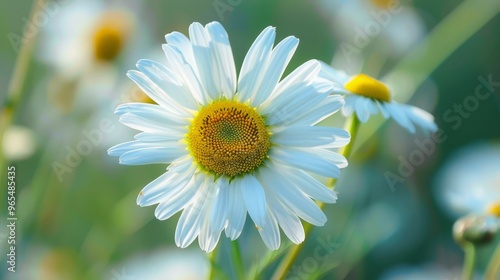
{"x":228,"y":138}
{"x":369,"y":87}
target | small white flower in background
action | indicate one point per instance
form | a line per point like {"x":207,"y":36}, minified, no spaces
{"x":393,"y":25}
{"x":235,"y":145}
{"x":165,"y":263}
{"x":82,"y":44}
{"x":366,"y":96}
{"x":470,"y":182}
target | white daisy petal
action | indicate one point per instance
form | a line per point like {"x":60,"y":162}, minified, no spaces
{"x":289,"y":222}
{"x":383,"y":109}
{"x":360,"y":108}
{"x":255,"y":200}
{"x":421,"y":118}
{"x":310,"y":136}
{"x":168,"y":82}
{"x":310,"y":186}
{"x":278,"y":61}
{"x":300,"y":77}
{"x":152,"y":124}
{"x":122,"y":148}
{"x":331,"y":74}
{"x":181,"y":164}
{"x":190,"y":222}
{"x":156,"y":137}
{"x":208,"y":74}
{"x":186,"y":72}
{"x":156,"y":93}
{"x":208,"y":239}
{"x":225,"y":74}
{"x":219,"y":212}
{"x":253,"y":64}
{"x":349,"y":106}
{"x":318,"y":113}
{"x":399,"y":116}
{"x":289,"y":109}
{"x":182,"y":43}
{"x":153,"y":155}
{"x":305,"y":160}
{"x":164,"y":186}
{"x":270,"y":233}
{"x":151,"y":111}
{"x":276,"y":183}
{"x":176,"y":201}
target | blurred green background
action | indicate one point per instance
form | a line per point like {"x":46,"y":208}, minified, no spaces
{"x":83,"y":223}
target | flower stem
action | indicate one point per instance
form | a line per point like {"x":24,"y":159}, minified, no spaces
{"x":212,"y":258}
{"x":238,"y":264}
{"x":493,"y":268}
{"x":469,"y":262}
{"x":352,"y":125}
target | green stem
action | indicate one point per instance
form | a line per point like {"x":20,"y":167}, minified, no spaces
{"x":469,"y":262}
{"x":352,"y":125}
{"x":492,"y":271}
{"x":238,"y":263}
{"x":441,"y":42}
{"x":16,"y":84}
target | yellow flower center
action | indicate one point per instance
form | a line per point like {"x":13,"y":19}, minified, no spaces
{"x":228,"y":138}
{"x":383,"y":4}
{"x":494,"y":209}
{"x":110,"y":36}
{"x":367,"y":86}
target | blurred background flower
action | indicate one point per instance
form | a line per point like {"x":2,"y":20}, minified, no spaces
{"x":77,"y":213}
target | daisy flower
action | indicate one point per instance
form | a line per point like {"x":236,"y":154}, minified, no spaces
{"x":235,"y":145}
{"x":366,"y":96}
{"x":470,"y":182}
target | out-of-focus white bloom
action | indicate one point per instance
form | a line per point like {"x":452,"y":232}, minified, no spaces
{"x":470,"y":181}
{"x":164,"y":264}
{"x":18,"y":143}
{"x":83,"y":34}
{"x":384,"y":24}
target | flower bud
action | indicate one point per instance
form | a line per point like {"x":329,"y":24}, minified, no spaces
{"x":475,"y":229}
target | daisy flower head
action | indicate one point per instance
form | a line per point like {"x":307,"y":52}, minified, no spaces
{"x":470,"y":182}
{"x":366,"y":96}
{"x":86,"y":36}
{"x":234,"y":145}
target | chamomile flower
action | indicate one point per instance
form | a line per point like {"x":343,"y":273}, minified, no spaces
{"x":234,"y":145}
{"x":470,"y":182}
{"x":366,"y":96}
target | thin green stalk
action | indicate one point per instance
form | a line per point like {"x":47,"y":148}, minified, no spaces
{"x":469,"y":262}
{"x":352,"y":126}
{"x":463,"y":22}
{"x":238,"y":263}
{"x":493,"y":269}
{"x":212,"y":258}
